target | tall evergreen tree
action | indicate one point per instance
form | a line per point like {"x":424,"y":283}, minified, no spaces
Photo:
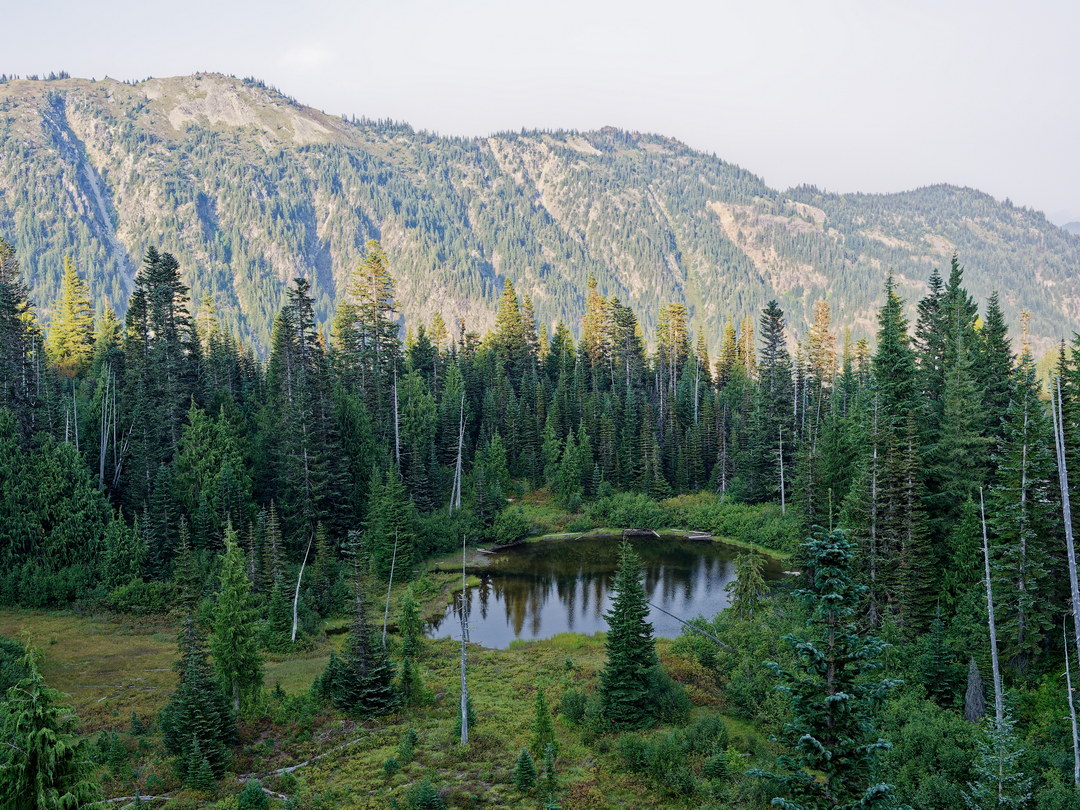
{"x":631,"y":651}
{"x":44,"y":765}
{"x":830,"y":739}
{"x":234,"y":643}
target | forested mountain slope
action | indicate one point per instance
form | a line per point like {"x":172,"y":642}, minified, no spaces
{"x":250,"y":189}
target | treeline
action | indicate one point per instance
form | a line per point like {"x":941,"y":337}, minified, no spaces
{"x":144,"y":460}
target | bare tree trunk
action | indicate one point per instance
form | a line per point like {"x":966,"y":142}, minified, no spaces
{"x":1072,"y":708}
{"x":296,"y":596}
{"x":103,"y":442}
{"x":386,"y":610}
{"x":1070,"y":548}
{"x":455,"y":493}
{"x":464,"y":639}
{"x":999,"y":702}
{"x":397,"y":431}
{"x":783,"y":494}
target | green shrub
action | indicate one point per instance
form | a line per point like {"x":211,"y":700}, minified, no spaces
{"x":252,"y":797}
{"x":666,"y":698}
{"x":390,"y":767}
{"x":510,"y":525}
{"x":628,"y":510}
{"x":139,"y":598}
{"x":707,"y":735}
{"x":572,"y":705}
{"x":424,"y":796}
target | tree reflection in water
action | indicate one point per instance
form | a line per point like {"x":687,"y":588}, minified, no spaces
{"x":538,"y":590}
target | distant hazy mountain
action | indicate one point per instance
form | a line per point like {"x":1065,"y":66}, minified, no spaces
{"x":1072,"y":227}
{"x":250,"y":189}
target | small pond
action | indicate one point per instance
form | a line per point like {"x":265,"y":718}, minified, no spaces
{"x":537,"y":590}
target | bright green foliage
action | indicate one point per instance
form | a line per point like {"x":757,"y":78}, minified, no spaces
{"x":70,"y":341}
{"x":748,"y":586}
{"x":524,"y":772}
{"x":830,"y":740}
{"x":43,"y":766}
{"x":411,"y":625}
{"x":407,"y":746}
{"x":543,"y":729}
{"x":235,"y":641}
{"x":631,"y":651}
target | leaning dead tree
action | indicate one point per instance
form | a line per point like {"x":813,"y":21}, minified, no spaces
{"x":455,"y":493}
{"x":999,"y":703}
{"x":386,"y":610}
{"x":1070,"y":548}
{"x":296,"y":595}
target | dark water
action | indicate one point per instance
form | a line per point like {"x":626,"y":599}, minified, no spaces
{"x":538,"y":590}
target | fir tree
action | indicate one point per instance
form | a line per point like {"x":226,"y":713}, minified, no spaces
{"x":543,"y":730}
{"x":234,"y":643}
{"x":999,"y":782}
{"x":44,"y":766}
{"x":70,"y":342}
{"x":631,"y":652}
{"x":830,"y":739}
{"x":748,"y":586}
{"x":525,"y":772}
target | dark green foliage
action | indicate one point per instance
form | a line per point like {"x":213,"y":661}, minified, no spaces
{"x":832,"y":700}
{"x":572,"y":705}
{"x":424,"y":796}
{"x":361,"y":680}
{"x":525,"y":776}
{"x":252,"y":797}
{"x":631,"y":653}
{"x":44,"y":766}
{"x":197,"y":723}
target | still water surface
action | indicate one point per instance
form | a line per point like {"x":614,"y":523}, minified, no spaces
{"x":538,"y":590}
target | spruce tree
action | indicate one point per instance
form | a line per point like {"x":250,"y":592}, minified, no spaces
{"x":746,"y":590}
{"x":999,"y":781}
{"x":631,"y":651}
{"x":524,"y":772}
{"x":543,"y":729}
{"x":44,"y":765}
{"x":234,"y":643}
{"x":197,"y":722}
{"x":70,"y":342}
{"x":830,"y":739}
{"x":361,"y":681}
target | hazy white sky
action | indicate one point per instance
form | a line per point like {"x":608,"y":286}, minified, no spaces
{"x":851,"y":95}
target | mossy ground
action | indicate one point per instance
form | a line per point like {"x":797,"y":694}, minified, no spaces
{"x":113,"y":666}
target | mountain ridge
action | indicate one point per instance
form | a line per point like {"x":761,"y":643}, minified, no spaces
{"x":248,"y":188}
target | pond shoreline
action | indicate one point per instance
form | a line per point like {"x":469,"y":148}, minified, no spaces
{"x":681,"y":534}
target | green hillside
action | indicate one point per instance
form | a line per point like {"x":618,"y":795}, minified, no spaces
{"x":249,"y":189}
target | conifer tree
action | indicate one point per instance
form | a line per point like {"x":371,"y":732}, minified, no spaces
{"x":361,"y":681}
{"x":524,"y":772}
{"x":197,"y":722}
{"x":748,"y":586}
{"x":631,"y":652}
{"x":999,"y":782}
{"x":830,"y":740}
{"x":70,"y":342}
{"x":1021,"y":517}
{"x":234,"y":643}
{"x":543,"y":730}
{"x":44,"y":765}
{"x":411,"y":625}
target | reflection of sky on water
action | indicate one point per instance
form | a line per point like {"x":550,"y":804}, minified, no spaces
{"x":541,"y":589}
